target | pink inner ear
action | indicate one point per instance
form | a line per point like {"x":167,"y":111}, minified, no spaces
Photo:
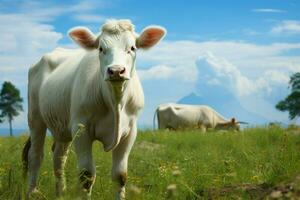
{"x":79,"y":34}
{"x":84,"y":38}
{"x":153,"y":35}
{"x":150,"y":37}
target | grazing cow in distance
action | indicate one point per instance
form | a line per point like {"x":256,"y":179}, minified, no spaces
{"x":179,"y":116}
{"x":96,"y":86}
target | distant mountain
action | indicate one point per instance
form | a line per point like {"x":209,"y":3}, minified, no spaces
{"x":229,"y":106}
{"x":216,"y":87}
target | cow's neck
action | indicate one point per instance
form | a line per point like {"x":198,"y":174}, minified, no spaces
{"x":222,"y":122}
{"x":117,"y":102}
{"x":220,"y":119}
{"x":118,"y":95}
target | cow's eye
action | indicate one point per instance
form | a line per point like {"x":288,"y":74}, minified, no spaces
{"x":132,"y":49}
{"x":101,"y":50}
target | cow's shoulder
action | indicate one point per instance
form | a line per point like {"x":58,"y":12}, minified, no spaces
{"x":205,"y":108}
{"x":52,"y":60}
{"x":165,"y":106}
{"x":61,"y":55}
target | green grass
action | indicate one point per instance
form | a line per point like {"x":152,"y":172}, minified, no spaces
{"x":211,"y":165}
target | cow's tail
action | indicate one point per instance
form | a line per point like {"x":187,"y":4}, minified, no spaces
{"x":25,"y":156}
{"x":155,"y":114}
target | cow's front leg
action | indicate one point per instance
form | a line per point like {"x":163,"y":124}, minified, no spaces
{"x":120,"y":158}
{"x":86,"y":166}
{"x":202,"y":128}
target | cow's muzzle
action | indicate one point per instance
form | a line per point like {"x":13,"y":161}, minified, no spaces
{"x":116,"y":73}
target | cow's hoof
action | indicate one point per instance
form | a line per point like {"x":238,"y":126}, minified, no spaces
{"x":121,"y":194}
{"x":33,"y":193}
{"x":60,"y":189}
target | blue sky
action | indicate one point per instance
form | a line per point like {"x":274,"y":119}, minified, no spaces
{"x":248,"y":48}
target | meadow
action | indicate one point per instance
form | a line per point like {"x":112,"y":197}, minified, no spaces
{"x":256,"y":163}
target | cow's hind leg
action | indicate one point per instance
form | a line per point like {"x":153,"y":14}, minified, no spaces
{"x":60,"y":151}
{"x":35,"y":153}
{"x":119,"y":168}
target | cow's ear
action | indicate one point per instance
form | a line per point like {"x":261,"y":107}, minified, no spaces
{"x":84,"y":37}
{"x":150,"y":36}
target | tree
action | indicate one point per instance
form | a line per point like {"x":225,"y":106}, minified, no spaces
{"x":10,"y":103}
{"x":292,"y":102}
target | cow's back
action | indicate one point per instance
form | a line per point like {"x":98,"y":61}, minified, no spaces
{"x":177,"y":116}
{"x":198,"y":115}
{"x":187,"y":115}
{"x":181,"y":115}
{"x":50,"y":86}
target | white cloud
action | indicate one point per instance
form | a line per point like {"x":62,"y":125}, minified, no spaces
{"x":277,"y":77}
{"x":48,"y":11}
{"x":22,"y":35}
{"x":23,"y":42}
{"x":268,"y":10}
{"x":157,"y":72}
{"x":287,"y":27}
{"x":239,"y":84}
{"x":257,"y":95}
{"x":225,"y":72}
{"x":167,"y":72}
{"x":250,"y":58}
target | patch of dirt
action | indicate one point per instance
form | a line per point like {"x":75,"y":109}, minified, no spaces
{"x":254,"y":191}
{"x":284,"y":190}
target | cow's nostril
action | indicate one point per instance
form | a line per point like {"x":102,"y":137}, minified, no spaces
{"x":122,"y":71}
{"x":110,"y":71}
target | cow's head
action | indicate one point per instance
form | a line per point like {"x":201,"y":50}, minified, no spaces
{"x":117,"y":45}
{"x":233,"y":124}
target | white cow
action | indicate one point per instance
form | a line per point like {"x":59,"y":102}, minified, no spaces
{"x":96,"y":86}
{"x":179,"y":116}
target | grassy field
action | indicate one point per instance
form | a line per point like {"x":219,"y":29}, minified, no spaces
{"x":177,"y":165}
